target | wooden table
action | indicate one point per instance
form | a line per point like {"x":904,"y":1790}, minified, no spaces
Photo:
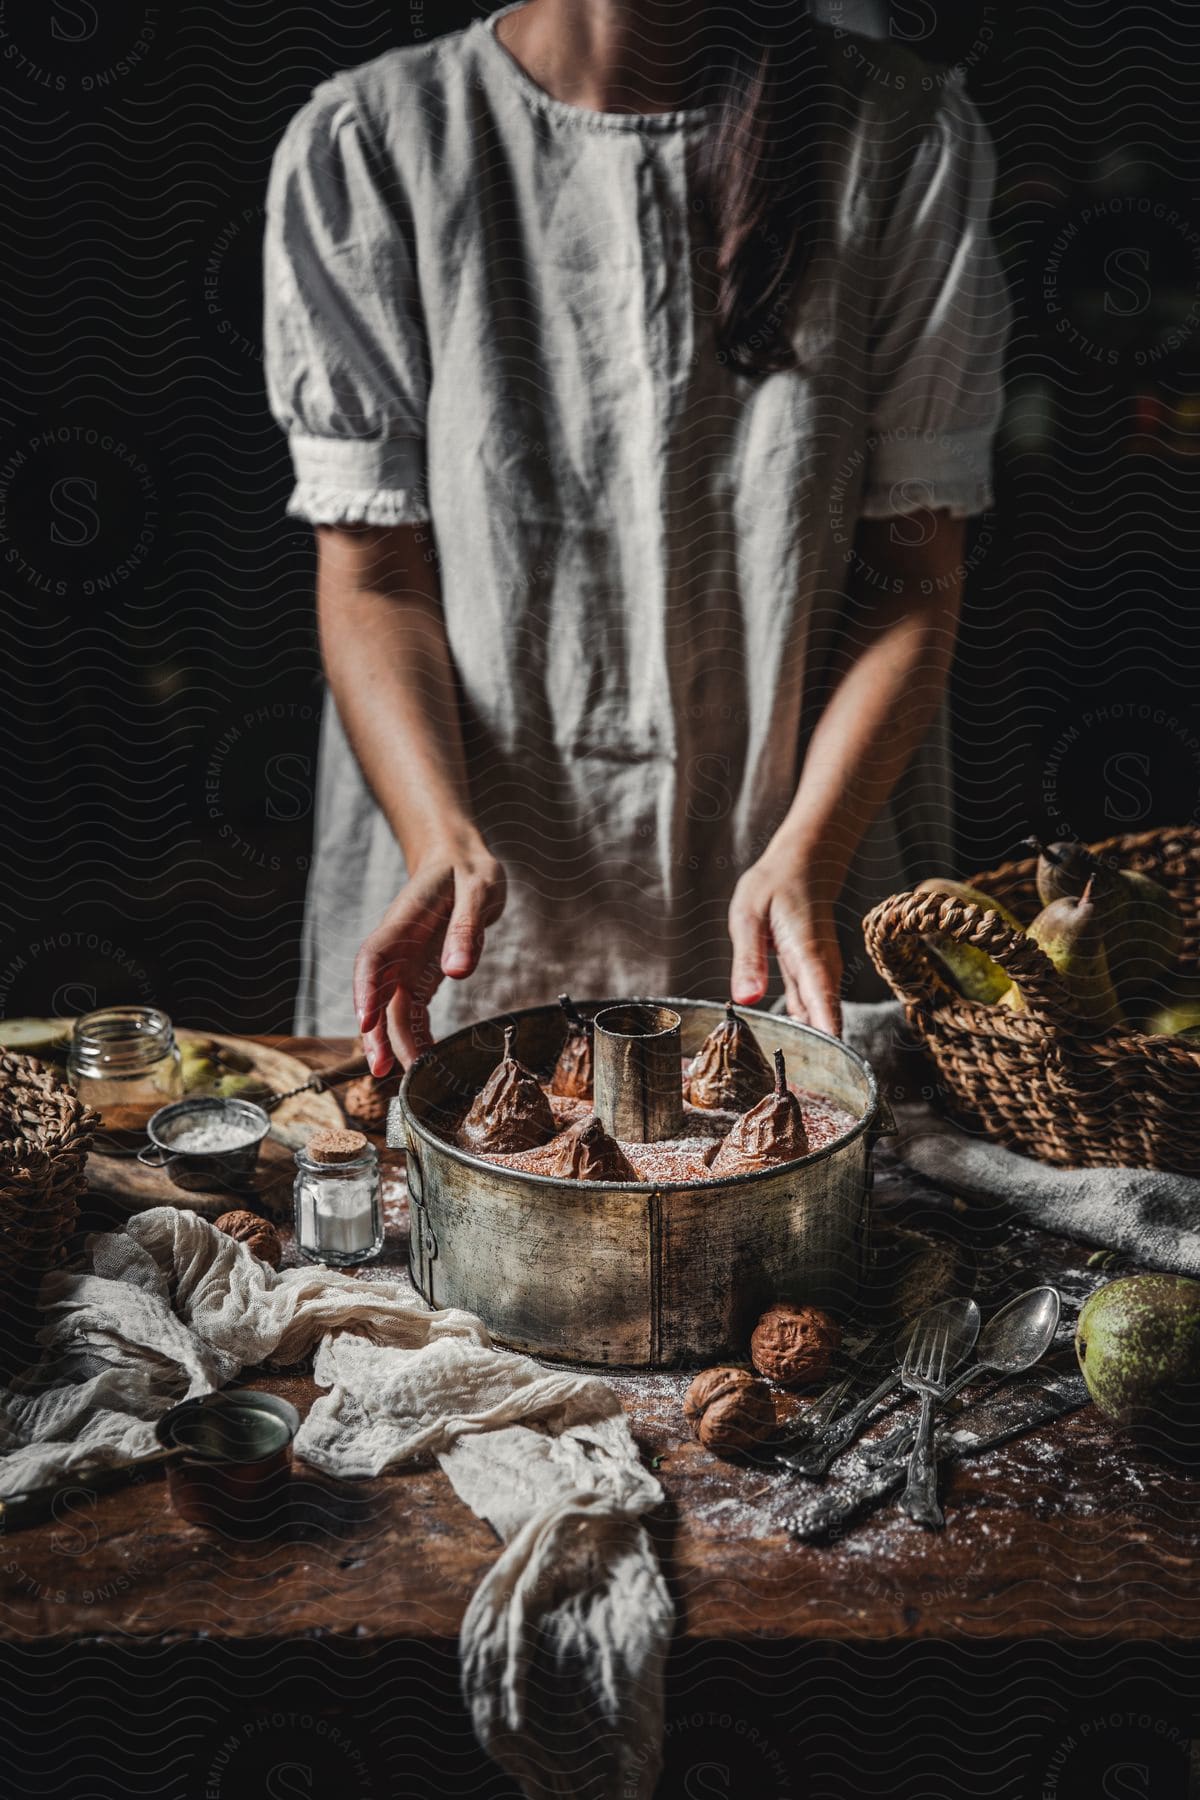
{"x":1072,"y":1540}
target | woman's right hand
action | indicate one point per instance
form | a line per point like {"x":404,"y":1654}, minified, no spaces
{"x":434,"y":928}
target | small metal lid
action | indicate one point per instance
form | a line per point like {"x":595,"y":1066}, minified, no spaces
{"x":336,"y":1146}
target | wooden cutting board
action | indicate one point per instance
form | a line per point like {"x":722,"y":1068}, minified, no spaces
{"x":134,"y":1186}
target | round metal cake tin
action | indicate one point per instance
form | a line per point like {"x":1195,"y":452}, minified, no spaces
{"x":631,"y":1274}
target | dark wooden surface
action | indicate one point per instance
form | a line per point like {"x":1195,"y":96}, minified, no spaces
{"x":1069,"y":1533}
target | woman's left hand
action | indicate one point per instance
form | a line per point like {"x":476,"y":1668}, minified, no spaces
{"x":779,"y":904}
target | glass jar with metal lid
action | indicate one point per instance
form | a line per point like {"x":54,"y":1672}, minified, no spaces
{"x":125,"y":1063}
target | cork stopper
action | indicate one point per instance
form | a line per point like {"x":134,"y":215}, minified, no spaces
{"x":336,"y":1146}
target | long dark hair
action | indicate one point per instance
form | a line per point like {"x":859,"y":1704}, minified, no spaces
{"x":768,"y":80}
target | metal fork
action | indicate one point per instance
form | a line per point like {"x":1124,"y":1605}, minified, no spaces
{"x":923,"y":1372}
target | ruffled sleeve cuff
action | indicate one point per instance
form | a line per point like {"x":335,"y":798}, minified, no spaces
{"x":913,"y":469}
{"x":355,"y":481}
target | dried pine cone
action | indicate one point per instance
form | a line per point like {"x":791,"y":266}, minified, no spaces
{"x":259,"y":1235}
{"x":729,"y":1410}
{"x":794,"y":1344}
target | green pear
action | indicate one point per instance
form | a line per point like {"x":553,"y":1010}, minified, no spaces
{"x":1178,"y":1015}
{"x":1142,"y":928}
{"x":970,"y":969}
{"x":1069,"y":932}
{"x":1138,"y":1344}
{"x":48,"y":1039}
{"x":242,"y":1087}
{"x":200,"y":1074}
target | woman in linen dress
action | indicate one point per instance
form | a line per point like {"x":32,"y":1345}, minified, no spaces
{"x":640,"y":365}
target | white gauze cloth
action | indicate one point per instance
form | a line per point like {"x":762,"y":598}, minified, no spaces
{"x":574,"y":1618}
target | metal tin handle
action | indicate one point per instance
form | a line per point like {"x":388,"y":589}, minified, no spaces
{"x":884,"y":1123}
{"x":154,"y":1156}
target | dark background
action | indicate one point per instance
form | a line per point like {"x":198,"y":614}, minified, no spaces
{"x":160,"y":715}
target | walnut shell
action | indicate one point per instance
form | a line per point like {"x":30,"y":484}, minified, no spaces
{"x":794,"y":1344}
{"x":259,"y":1235}
{"x":366,"y":1102}
{"x":729,"y":1410}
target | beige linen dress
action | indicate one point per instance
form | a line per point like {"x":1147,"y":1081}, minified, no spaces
{"x":491,"y":312}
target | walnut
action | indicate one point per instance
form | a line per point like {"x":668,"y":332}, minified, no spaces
{"x":794,"y":1344}
{"x":259,"y":1235}
{"x":729,"y":1410}
{"x":366,"y":1102}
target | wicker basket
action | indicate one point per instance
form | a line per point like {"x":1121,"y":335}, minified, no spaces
{"x":45,"y":1136}
{"x":1034,"y":1080}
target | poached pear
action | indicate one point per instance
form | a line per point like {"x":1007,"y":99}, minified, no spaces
{"x":510,"y":1112}
{"x":585,"y":1152}
{"x":770,"y":1132}
{"x":970,"y":969}
{"x":1138,"y":1344}
{"x":729,"y":1071}
{"x":573,"y":1071}
{"x":1069,"y":932}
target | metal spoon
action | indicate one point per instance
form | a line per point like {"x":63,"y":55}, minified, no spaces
{"x":1013,"y":1340}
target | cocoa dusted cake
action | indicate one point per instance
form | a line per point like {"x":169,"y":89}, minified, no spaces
{"x":740,"y":1116}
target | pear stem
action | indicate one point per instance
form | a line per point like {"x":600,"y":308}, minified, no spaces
{"x":510,"y":1032}
{"x":574,"y":1017}
{"x":780,"y":1074}
{"x":730,"y":1015}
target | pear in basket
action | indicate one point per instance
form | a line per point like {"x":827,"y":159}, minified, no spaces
{"x":1142,"y":928}
{"x":970,"y":969}
{"x":1178,"y":1016}
{"x":1070,"y":932}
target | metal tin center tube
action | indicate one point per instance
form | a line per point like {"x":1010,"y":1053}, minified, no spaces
{"x":638,"y":1072}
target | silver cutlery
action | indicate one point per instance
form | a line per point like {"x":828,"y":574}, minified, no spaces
{"x":984,"y":1425}
{"x":824,"y":1407}
{"x":937,"y":1345}
{"x":1013,"y":1340}
{"x":813,"y":1459}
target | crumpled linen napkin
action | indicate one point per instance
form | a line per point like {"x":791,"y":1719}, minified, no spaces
{"x":571,"y":1623}
{"x":1151,"y":1217}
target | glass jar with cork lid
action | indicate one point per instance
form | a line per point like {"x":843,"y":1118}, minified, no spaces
{"x":338,"y":1209}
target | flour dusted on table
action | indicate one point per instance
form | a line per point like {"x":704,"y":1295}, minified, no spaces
{"x":170,"y":1307}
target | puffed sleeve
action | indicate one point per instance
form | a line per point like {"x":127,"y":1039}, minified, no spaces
{"x":940,"y":330}
{"x":346,"y":348}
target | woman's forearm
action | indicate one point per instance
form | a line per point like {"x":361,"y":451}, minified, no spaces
{"x":892,"y":671}
{"x":383,"y":643}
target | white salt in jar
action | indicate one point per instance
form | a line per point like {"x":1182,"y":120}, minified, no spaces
{"x":338,"y":1211}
